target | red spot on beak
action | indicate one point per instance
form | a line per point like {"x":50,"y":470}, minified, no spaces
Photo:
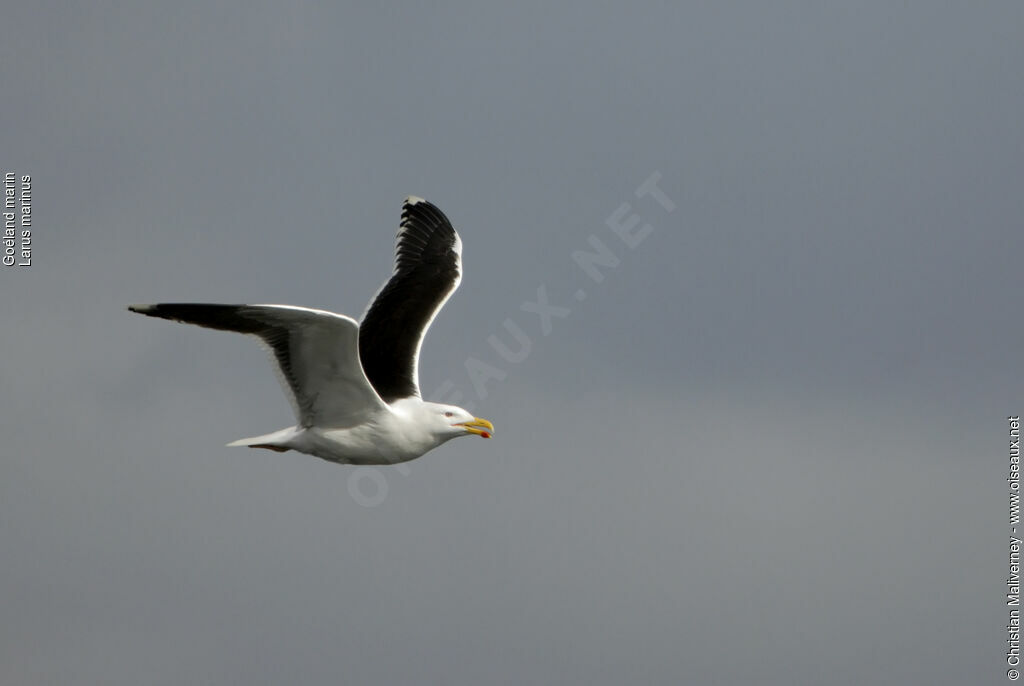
{"x":484,"y":434}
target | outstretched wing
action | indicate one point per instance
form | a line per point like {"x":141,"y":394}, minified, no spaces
{"x":428,"y":268}
{"x":317,"y":355}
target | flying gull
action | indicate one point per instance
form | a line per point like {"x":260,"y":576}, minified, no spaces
{"x":355,"y":387}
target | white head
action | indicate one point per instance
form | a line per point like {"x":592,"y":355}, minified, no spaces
{"x":450,"y":421}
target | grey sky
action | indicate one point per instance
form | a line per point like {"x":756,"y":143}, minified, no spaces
{"x":769,"y":447}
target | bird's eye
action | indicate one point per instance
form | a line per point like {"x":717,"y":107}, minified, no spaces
{"x":448,"y":414}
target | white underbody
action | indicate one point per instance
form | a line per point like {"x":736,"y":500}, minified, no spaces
{"x":390,"y":436}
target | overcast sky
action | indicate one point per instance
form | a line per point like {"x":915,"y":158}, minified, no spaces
{"x":769,"y":446}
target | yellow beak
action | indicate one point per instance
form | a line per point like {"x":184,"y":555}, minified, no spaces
{"x":480,"y":427}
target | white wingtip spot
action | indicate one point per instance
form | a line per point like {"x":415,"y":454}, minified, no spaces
{"x":413,"y":200}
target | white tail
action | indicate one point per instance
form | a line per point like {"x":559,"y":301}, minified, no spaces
{"x":279,"y":441}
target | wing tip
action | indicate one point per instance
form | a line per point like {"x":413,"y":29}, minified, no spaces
{"x":413,"y":200}
{"x":142,"y":309}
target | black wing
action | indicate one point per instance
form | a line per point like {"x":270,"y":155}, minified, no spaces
{"x":428,"y":268}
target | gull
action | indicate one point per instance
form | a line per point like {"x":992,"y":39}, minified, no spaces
{"x":354,"y":387}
